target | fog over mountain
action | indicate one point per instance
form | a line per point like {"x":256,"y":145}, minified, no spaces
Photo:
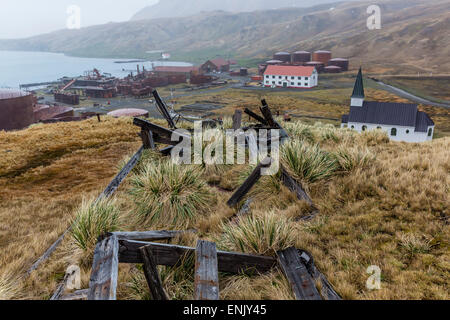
{"x":182,"y":8}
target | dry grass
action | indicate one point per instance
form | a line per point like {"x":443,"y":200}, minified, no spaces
{"x":45,"y":172}
{"x":390,"y":210}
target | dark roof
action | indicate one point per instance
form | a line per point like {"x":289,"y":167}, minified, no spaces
{"x":423,"y":121}
{"x":345,"y":118}
{"x":358,"y":90}
{"x":399,"y":114}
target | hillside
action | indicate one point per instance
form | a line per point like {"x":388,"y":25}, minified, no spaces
{"x":414,"y":35}
{"x":182,"y":8}
{"x":364,"y":180}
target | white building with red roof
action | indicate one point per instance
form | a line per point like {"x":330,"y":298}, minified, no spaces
{"x":290,"y":77}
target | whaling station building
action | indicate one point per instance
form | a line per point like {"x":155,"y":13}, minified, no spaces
{"x":290,"y":77}
{"x":402,"y":121}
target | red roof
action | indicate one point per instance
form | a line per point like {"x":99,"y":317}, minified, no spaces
{"x":298,"y":71}
{"x":175,"y":69}
{"x":219,"y":62}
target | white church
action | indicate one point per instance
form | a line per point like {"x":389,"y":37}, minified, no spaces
{"x":401,"y":121}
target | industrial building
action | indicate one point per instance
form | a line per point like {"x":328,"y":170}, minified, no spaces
{"x":291,"y":77}
{"x":321,"y":60}
{"x":16,"y":109}
{"x":165,"y":71}
{"x":19,"y":109}
{"x":215,"y":65}
{"x":401,"y":121}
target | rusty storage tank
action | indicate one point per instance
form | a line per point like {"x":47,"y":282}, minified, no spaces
{"x":340,"y":62}
{"x":301,"y":57}
{"x":332,"y":69}
{"x":317,"y":64}
{"x":16,"y":109}
{"x":282,"y":56}
{"x":322,"y":56}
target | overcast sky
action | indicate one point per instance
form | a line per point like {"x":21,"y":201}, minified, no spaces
{"x":24,"y":18}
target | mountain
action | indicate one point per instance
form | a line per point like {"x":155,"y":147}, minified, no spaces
{"x":182,"y":8}
{"x":414,"y":35}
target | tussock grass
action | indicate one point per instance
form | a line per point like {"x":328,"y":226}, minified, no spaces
{"x":300,"y":131}
{"x":414,"y":244}
{"x":351,"y":158}
{"x":170,"y":195}
{"x":259,"y":233}
{"x":94,"y":219}
{"x":308,"y":163}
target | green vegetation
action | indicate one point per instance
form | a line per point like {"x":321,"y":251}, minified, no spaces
{"x":94,"y":218}
{"x":168,"y":195}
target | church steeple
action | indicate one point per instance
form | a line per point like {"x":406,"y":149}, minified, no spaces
{"x":358,"y":91}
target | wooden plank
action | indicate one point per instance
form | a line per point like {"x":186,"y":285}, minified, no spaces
{"x":171,"y":255}
{"x":160,"y":134}
{"x":77,"y":295}
{"x":147,"y":139}
{"x":162,"y":108}
{"x":295,"y":187}
{"x":152,"y":275}
{"x":249,"y":183}
{"x":117,"y":181}
{"x":265,"y":110}
{"x":237,"y":120}
{"x":105,"y":269}
{"x":167,"y":150}
{"x":255,"y":116}
{"x":206,"y":271}
{"x":296,"y":272}
{"x":149,"y":235}
{"x":327,"y":290}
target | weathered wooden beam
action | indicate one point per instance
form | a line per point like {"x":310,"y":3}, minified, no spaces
{"x":265,"y":110}
{"x":117,"y":181}
{"x":294,"y":186}
{"x":237,"y":120}
{"x":249,"y":183}
{"x":147,"y":139}
{"x":206,"y":271}
{"x":105,"y":269}
{"x":149,"y":235}
{"x":160,"y":134}
{"x":167,"y":150}
{"x":152,"y":275}
{"x":327,"y":290}
{"x":77,"y":295}
{"x":163,"y":109}
{"x":171,"y":255}
{"x":47,"y":253}
{"x":256,"y":117}
{"x":296,"y":272}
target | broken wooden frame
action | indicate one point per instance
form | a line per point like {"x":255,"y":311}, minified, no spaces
{"x":268,"y":122}
{"x":115,"y":248}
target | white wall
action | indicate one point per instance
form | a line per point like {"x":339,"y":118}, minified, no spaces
{"x":412,"y":136}
{"x":298,"y":82}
